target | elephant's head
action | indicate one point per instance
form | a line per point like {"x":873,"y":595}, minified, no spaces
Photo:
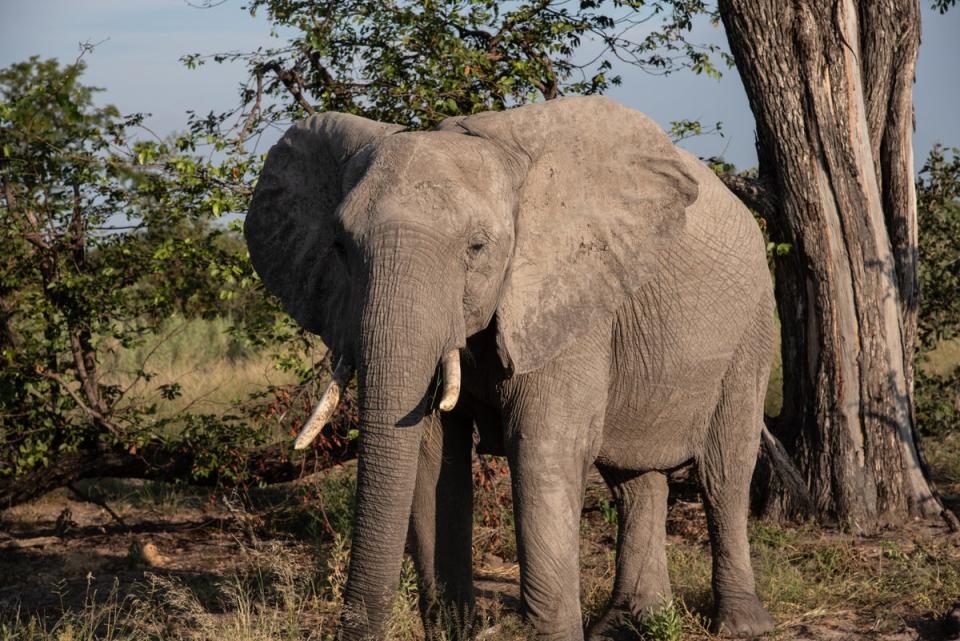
{"x":395,"y":246}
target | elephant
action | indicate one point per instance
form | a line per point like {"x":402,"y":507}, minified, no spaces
{"x":561,"y":278}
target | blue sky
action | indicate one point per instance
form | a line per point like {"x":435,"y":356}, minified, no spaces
{"x":139,"y":67}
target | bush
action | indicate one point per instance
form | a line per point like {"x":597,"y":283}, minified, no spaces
{"x":938,"y":202}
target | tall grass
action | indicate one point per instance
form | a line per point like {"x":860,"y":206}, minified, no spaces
{"x":210,"y":366}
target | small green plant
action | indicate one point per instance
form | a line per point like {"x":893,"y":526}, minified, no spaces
{"x":832,"y":560}
{"x":337,"y":564}
{"x":404,"y":622}
{"x":772,"y":535}
{"x":662,"y":624}
{"x":608,"y":510}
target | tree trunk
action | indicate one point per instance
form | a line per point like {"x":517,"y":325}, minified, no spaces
{"x":830,"y":88}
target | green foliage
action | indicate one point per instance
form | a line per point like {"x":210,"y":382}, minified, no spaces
{"x":105,"y":235}
{"x":937,"y":402}
{"x":938,"y":204}
{"x":416,"y":63}
{"x":943,"y":5}
{"x":683,"y":129}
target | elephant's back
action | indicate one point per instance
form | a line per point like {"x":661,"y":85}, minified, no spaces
{"x":728,"y":231}
{"x":719,"y":263}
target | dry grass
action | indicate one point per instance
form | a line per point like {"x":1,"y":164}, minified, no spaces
{"x":944,"y":358}
{"x":275,"y":598}
{"x":212,"y":368}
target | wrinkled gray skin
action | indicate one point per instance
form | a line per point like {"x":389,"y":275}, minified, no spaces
{"x":612,"y":305}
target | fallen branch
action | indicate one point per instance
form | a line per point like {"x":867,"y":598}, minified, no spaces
{"x":157,"y":462}
{"x":90,"y":498}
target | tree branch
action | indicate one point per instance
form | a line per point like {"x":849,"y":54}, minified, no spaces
{"x":778,"y":491}
{"x":753,"y":192}
{"x":549,"y":86}
{"x":98,"y":501}
{"x":328,"y":80}
{"x":35,"y":237}
{"x":292,"y":82}
{"x":254,"y":110}
{"x":157,"y":462}
{"x":93,"y":413}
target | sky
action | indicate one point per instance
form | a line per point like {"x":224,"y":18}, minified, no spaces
{"x":141,"y":41}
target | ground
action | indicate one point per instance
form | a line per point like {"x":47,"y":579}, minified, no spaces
{"x":269,"y":564}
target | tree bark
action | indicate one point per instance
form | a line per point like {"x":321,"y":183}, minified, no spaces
{"x":830,"y":87}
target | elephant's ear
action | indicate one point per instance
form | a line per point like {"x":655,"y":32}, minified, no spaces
{"x":291,"y":223}
{"x":603,"y":193}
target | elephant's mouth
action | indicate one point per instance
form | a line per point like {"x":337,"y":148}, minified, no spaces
{"x":449,"y":365}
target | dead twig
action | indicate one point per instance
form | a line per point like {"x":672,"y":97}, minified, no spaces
{"x":90,"y":498}
{"x":254,"y":110}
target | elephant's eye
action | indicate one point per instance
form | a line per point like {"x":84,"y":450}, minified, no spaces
{"x":477,"y":248}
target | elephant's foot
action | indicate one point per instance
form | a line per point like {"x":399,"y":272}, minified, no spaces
{"x":615,"y":625}
{"x":741,"y":617}
{"x":621,"y":622}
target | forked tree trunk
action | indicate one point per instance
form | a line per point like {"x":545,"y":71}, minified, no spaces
{"x":830,"y":84}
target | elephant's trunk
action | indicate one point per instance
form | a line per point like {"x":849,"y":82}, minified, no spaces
{"x":401,"y":344}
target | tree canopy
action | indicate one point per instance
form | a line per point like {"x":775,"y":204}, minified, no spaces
{"x":416,"y":63}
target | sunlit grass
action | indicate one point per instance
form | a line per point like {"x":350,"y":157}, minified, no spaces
{"x":943,"y":359}
{"x":289,"y":585}
{"x":211,"y":368}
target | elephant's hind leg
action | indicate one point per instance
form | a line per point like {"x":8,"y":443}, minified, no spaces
{"x":726,"y":467}
{"x":642,"y":584}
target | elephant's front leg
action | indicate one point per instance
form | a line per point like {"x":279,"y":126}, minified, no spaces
{"x":552,"y":437}
{"x":441,"y":527}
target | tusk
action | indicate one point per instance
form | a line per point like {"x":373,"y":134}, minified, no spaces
{"x":326,"y":407}
{"x":451,"y":380}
